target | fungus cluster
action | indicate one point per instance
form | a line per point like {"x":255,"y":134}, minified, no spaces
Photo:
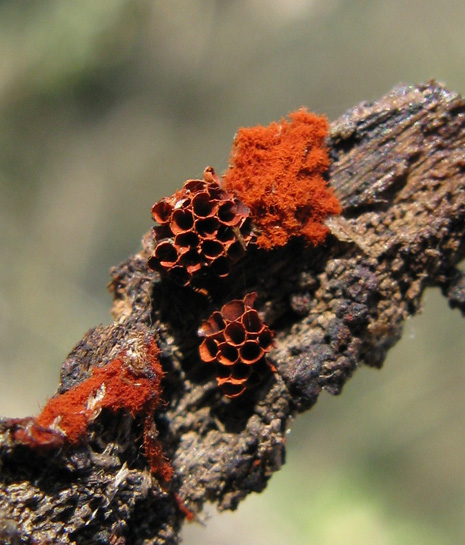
{"x":236,"y":340}
{"x":275,"y":189}
{"x":202,"y":229}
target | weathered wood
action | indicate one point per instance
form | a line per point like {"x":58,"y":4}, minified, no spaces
{"x":398,"y":167}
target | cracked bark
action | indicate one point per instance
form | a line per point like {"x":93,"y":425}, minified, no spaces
{"x":398,"y":168}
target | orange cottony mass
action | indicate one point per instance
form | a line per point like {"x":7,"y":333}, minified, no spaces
{"x":278,"y":172}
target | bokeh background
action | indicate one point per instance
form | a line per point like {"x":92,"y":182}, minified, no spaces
{"x":107,"y":106}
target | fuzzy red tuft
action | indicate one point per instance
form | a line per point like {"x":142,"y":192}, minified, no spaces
{"x":277,"y":171}
{"x":130,"y":383}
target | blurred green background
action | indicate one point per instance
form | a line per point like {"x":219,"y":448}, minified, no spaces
{"x":107,"y":106}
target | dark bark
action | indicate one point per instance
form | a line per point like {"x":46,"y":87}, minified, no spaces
{"x":398,"y":167}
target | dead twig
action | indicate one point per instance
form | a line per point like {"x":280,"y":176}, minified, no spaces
{"x":398,"y":168}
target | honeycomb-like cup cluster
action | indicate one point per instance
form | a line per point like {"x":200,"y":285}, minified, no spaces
{"x":202,"y":228}
{"x":236,"y":340}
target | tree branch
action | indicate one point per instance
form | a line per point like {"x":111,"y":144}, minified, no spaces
{"x":398,"y":169}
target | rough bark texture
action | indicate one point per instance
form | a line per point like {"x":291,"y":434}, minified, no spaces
{"x":398,"y":167}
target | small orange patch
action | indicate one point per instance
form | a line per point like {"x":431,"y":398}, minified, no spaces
{"x":131,"y":383}
{"x":277,"y":172}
